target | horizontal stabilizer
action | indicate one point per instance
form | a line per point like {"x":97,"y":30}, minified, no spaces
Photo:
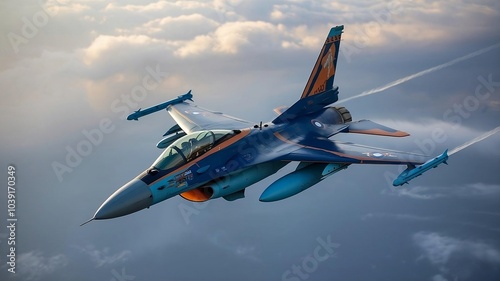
{"x":371,"y":128}
{"x":308,"y":105}
{"x":339,"y":128}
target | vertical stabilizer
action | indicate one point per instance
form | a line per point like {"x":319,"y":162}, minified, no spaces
{"x":319,"y":91}
{"x":323,"y":73}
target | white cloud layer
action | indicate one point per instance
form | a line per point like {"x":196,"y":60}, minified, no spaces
{"x":103,"y":257}
{"x":435,"y":192}
{"x":35,"y":265}
{"x":439,"y":249}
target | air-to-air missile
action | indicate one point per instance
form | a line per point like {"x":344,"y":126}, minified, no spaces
{"x":414,"y":171}
{"x":139,"y":113}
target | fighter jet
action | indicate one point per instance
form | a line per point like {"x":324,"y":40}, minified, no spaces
{"x":208,"y":155}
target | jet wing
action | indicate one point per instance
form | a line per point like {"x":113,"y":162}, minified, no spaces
{"x":192,"y":118}
{"x":328,"y":151}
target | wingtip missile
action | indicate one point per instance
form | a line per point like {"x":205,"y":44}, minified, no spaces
{"x":139,"y":113}
{"x":412,"y":171}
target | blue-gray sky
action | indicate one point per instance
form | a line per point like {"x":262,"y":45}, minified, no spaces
{"x":70,"y":69}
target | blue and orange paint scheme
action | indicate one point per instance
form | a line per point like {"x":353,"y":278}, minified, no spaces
{"x":209,"y":155}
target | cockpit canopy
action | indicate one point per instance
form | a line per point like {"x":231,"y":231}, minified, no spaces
{"x":189,"y":147}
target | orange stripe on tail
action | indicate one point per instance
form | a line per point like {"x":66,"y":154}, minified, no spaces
{"x":323,"y":73}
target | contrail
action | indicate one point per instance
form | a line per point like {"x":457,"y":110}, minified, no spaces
{"x":473,"y":141}
{"x":421,"y":73}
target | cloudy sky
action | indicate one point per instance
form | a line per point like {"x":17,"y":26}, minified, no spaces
{"x":74,"y":69}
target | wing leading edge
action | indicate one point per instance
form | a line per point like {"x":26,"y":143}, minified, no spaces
{"x":192,"y":118}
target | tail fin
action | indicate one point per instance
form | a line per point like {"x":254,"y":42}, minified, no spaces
{"x":323,"y":73}
{"x":319,"y":91}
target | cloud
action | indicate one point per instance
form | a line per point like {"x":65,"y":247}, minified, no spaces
{"x":303,"y":36}
{"x":438,"y":277}
{"x":453,"y":256}
{"x":105,"y":47}
{"x":434,"y":192}
{"x":230,"y":37}
{"x":35,"y":265}
{"x":407,"y":217}
{"x":58,"y":7}
{"x":218,"y":10}
{"x":102,"y":257}
{"x":223,"y":240}
{"x":389,"y":23}
{"x":439,"y":249}
{"x":160,"y":5}
{"x":456,"y":259}
{"x":419,"y":192}
{"x":479,"y":189}
{"x":183,"y":27}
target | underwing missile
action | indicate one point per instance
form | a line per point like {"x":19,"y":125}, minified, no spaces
{"x":139,"y":113}
{"x":299,"y":180}
{"x":413,"y":171}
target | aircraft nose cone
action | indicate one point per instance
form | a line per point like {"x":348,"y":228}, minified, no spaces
{"x":130,"y":198}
